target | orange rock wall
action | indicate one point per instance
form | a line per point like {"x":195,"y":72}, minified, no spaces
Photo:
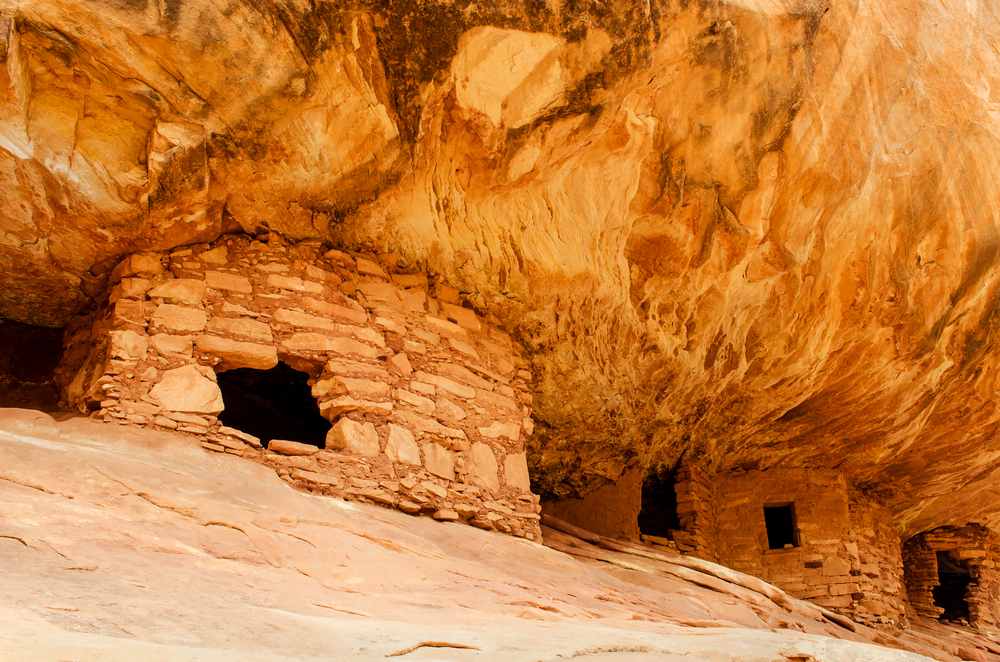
{"x":428,"y":401}
{"x":611,"y":510}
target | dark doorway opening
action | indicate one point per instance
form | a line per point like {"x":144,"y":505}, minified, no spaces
{"x":780,"y":523}
{"x":272,"y":404}
{"x":954,"y":578}
{"x":29,"y":356}
{"x":658,"y":512}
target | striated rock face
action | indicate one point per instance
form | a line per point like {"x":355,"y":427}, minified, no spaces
{"x":751,"y":233}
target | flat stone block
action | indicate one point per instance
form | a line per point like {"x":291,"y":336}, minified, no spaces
{"x":401,"y":446}
{"x":190,"y":389}
{"x":331,"y":409}
{"x":516,"y":472}
{"x":439,"y":461}
{"x":484,"y":467}
{"x":285,"y":447}
{"x":189,"y":291}
{"x":219,"y":280}
{"x":243,"y":329}
{"x":496,"y":430}
{"x":445,"y":384}
{"x":294,"y":284}
{"x":178,"y":319}
{"x":354,"y":437}
{"x":327,"y":309}
{"x":236,"y":354}
{"x":127,"y":345}
{"x":172,"y":346}
{"x":319,"y":343}
{"x":315,"y":477}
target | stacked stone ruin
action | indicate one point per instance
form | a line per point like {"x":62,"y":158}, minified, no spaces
{"x":430,"y":412}
{"x":978,"y":547}
{"x":428,"y":401}
{"x":846,"y":556}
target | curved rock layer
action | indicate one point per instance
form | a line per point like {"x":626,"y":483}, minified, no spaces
{"x":754,"y":233}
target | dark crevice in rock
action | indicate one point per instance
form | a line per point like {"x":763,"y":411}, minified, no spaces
{"x":29,"y":356}
{"x":272,"y":404}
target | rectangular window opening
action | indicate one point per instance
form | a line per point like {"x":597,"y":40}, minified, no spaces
{"x":779,"y":519}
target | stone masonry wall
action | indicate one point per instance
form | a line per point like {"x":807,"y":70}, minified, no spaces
{"x":880,"y":564}
{"x":696,"y":513}
{"x":428,"y":401}
{"x":826,"y":567}
{"x":978,"y":547}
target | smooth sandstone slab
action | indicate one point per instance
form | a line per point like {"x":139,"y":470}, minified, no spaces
{"x":242,"y":436}
{"x":370,"y":267}
{"x":240,"y":328}
{"x":421,"y":404}
{"x":400,"y":364}
{"x":464,"y":375}
{"x":427,"y":425}
{"x":217,"y":256}
{"x":384,"y":292}
{"x":316,"y":477}
{"x":463,"y":317}
{"x":496,"y":430}
{"x":449,"y":410}
{"x":132,"y":288}
{"x":137,"y":264}
{"x":302,"y":319}
{"x":351,"y":368}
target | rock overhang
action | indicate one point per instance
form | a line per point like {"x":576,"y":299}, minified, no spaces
{"x":714,"y":232}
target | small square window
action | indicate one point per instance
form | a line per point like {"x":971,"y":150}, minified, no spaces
{"x":780,"y":522}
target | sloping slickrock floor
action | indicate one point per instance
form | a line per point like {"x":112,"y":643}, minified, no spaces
{"x":122,"y":544}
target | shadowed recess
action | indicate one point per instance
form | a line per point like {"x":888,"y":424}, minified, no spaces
{"x":272,"y":404}
{"x":28,"y":359}
{"x":950,"y":594}
{"x":658,"y":516}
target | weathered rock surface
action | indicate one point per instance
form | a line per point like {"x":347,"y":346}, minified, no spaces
{"x":191,"y":389}
{"x":125,"y":544}
{"x":759,"y":233}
